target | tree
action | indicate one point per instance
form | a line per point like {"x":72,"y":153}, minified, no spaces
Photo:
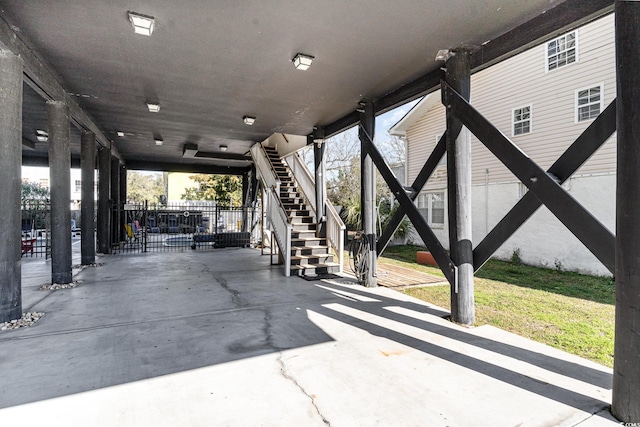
{"x":225,"y":189}
{"x":143,"y":186}
{"x":33,"y":191}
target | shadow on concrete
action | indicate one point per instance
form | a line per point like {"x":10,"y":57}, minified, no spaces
{"x":145,"y":316}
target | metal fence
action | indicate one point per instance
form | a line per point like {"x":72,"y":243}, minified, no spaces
{"x":189,"y":225}
{"x":35,"y":228}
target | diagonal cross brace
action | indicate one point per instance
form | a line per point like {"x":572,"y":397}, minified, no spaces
{"x":418,"y":183}
{"x":579,"y":152}
{"x":416,"y":218}
{"x":595,"y":236}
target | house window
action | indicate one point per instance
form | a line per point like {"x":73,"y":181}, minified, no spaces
{"x":431,"y":206}
{"x":78,"y":185}
{"x":562,"y":51}
{"x":521,"y":120}
{"x":589,"y":103}
{"x":44,"y":183}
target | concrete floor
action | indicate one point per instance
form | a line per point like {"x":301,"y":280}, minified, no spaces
{"x":204,"y":338}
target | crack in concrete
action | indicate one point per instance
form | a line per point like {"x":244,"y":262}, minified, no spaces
{"x":283,"y":367}
{"x":597,"y":413}
{"x":236,"y":296}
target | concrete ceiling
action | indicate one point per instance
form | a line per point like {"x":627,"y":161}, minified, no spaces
{"x":209,"y":63}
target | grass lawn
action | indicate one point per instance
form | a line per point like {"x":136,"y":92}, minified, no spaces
{"x":569,"y":311}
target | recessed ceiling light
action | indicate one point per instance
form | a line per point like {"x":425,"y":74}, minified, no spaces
{"x":142,"y":24}
{"x":249,"y":120}
{"x":153,"y":108}
{"x":302,"y":61}
{"x":223,"y":148}
{"x":159,"y":141}
{"x":120,"y":134}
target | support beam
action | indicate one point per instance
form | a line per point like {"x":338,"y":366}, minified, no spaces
{"x":104,"y":204}
{"x":187,"y":167}
{"x":626,"y":364}
{"x":123,"y":199}
{"x":245,"y":201}
{"x":60,"y":179}
{"x":423,"y":176}
{"x":458,"y":76}
{"x":38,"y":75}
{"x":416,"y":218}
{"x":10,"y":155}
{"x":320,"y":179}
{"x":87,"y":209}
{"x":368,"y":192}
{"x":593,"y":137}
{"x":595,"y":236}
{"x":115,"y":202}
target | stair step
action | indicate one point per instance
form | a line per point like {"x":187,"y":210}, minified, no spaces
{"x":311,"y":259}
{"x":303,"y":234}
{"x":305,"y":226}
{"x":308,"y":241}
{"x":309,"y":250}
{"x":327,"y":268}
{"x":296,"y":213}
{"x":302,"y":219}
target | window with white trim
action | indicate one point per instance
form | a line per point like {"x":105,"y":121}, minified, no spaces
{"x":431,"y":206}
{"x":521,"y":118}
{"x":589,"y":103}
{"x":562,"y":51}
{"x":78,"y":185}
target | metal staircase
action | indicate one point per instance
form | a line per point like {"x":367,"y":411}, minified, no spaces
{"x":310,"y":255}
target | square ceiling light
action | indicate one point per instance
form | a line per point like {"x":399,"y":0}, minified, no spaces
{"x":223,"y":148}
{"x":159,"y":141}
{"x":41,"y":135}
{"x":302,"y":61}
{"x":142,"y":24}
{"x":249,"y":120}
{"x":153,"y":108}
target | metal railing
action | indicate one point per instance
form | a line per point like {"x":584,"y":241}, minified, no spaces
{"x":307,"y":185}
{"x":277,"y":218}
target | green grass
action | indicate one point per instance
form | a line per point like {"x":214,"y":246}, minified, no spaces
{"x":569,"y":311}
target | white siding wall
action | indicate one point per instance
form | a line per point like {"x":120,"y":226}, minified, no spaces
{"x":514,"y":83}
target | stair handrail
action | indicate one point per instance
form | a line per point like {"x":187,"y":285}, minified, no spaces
{"x":277,"y":217}
{"x":280,"y":225}
{"x":264,"y":167}
{"x":335,"y":226}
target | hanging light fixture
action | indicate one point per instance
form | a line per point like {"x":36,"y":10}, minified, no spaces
{"x":302,"y":61}
{"x":142,"y":24}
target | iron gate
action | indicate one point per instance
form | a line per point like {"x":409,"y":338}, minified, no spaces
{"x":35,"y":228}
{"x":185,"y":226}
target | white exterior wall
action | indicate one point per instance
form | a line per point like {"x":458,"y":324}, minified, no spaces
{"x":514,"y":83}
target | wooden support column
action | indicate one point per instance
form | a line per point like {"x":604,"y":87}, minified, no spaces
{"x":10,"y":184}
{"x":104,"y":210}
{"x":245,"y":201}
{"x":321,"y":182}
{"x":368,"y":191}
{"x":115,"y":202}
{"x":123,"y":200}
{"x":60,"y":179}
{"x":458,"y":76}
{"x":87,"y":209}
{"x":626,"y":364}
